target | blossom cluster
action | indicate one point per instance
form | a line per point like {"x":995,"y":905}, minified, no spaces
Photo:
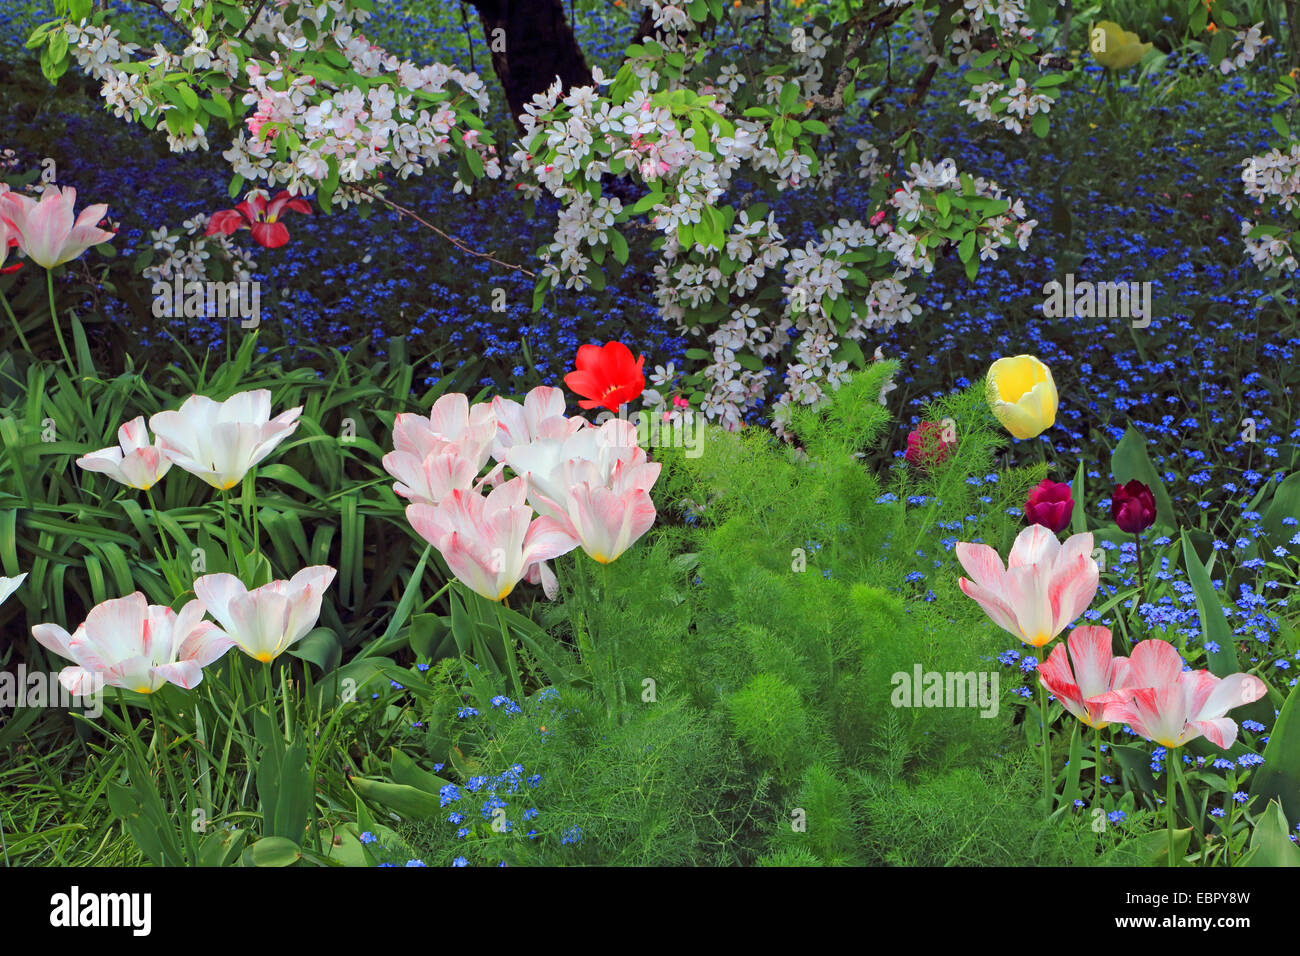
{"x":329,"y":109}
{"x":717,"y":264}
{"x":1273,"y":181}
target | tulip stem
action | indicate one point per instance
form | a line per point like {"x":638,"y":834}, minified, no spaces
{"x":158,"y":524}
{"x":511,"y":662}
{"x":1049,"y":792}
{"x":1232,"y":805}
{"x":14,"y":319}
{"x":1169,"y":801}
{"x":1096,"y":767}
{"x":619,"y":687}
{"x":287,"y":698}
{"x":164,"y":765}
{"x":232,"y":543}
{"x":249,"y":492}
{"x":1142,"y":588}
{"x":54,"y":318}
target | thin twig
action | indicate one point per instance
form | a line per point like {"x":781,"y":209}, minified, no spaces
{"x":157,"y":5}
{"x":469,"y":37}
{"x":251,"y":20}
{"x":410,"y":213}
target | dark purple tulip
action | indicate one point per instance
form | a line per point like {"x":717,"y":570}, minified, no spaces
{"x":1133,"y":507}
{"x":1050,"y":505}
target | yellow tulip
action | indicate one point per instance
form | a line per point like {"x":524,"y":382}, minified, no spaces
{"x":1115,"y":48}
{"x":1022,"y":395}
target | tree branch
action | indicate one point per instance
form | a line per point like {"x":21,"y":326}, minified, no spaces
{"x":251,"y":20}
{"x":412,"y":214}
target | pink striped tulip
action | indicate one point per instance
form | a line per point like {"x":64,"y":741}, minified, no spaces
{"x":129,"y":643}
{"x":442,"y":453}
{"x":1044,"y":587}
{"x":136,"y":463}
{"x":490,"y":542}
{"x":427,"y":481}
{"x":220,"y":441}
{"x":8,"y":240}
{"x":1171,"y":706}
{"x":48,"y":231}
{"x":267,"y":621}
{"x":451,"y":422}
{"x":596,"y":483}
{"x":540,"y":416}
{"x":1081,"y":689}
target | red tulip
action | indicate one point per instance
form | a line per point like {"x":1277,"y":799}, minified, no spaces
{"x":1050,"y":505}
{"x":607,"y":376}
{"x":926,"y":445}
{"x":259,"y":216}
{"x":1133,"y":507}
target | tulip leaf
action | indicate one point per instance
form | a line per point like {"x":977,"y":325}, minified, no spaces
{"x":1285,"y":504}
{"x":1135,"y":762}
{"x":275,"y":851}
{"x":1079,"y":519}
{"x":142,"y":813}
{"x":347,"y":849}
{"x":430,"y":637}
{"x":1271,"y":842}
{"x":221,"y":848}
{"x":1073,"y":767}
{"x":1216,"y":633}
{"x":321,"y":647}
{"x":1129,"y":460}
{"x":1279,"y":776}
{"x":410,"y":595}
{"x":410,"y":802}
{"x":406,"y":772}
{"x":1150,"y":848}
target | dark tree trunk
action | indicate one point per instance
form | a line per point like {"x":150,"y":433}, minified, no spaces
{"x":535,"y":45}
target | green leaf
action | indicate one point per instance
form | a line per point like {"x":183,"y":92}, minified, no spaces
{"x":1271,"y":841}
{"x":1278,"y":778}
{"x":1079,"y":520}
{"x":1073,"y":767}
{"x":789,"y":96}
{"x":408,"y":774}
{"x":647,"y":202}
{"x":1152,"y":848}
{"x":221,"y":847}
{"x":1214,"y":623}
{"x":405,"y":800}
{"x":321,"y":647}
{"x":1135,"y":761}
{"x":618,"y":245}
{"x":275,"y":851}
{"x":1285,"y":504}
{"x":966,"y":248}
